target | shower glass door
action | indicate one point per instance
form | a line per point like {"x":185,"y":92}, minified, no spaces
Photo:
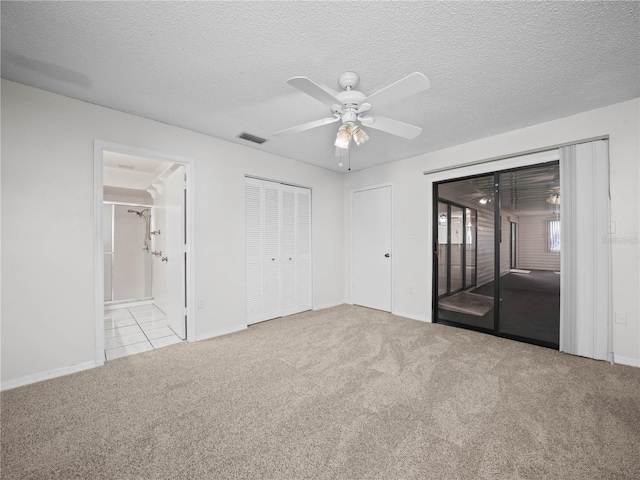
{"x":107,"y":231}
{"x":127,"y":269}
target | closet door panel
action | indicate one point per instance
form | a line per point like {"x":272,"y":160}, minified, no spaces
{"x":303,"y":249}
{"x":254,"y":220}
{"x":289,"y":280}
{"x":272,"y":246}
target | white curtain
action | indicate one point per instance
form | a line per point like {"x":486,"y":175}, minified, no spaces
{"x":584,"y":215}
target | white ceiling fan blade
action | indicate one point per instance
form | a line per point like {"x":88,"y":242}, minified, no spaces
{"x":306,"y":126}
{"x":322,"y":94}
{"x":414,"y":83}
{"x":394,"y":127}
{"x":364,"y":108}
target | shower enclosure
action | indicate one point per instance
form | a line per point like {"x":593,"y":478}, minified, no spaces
{"x":127,"y":252}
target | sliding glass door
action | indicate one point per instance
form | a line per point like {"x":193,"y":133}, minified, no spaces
{"x":497,"y":256}
{"x":530,"y":289}
{"x":465,"y":252}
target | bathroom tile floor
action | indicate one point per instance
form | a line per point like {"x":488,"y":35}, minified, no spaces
{"x":136,"y":329}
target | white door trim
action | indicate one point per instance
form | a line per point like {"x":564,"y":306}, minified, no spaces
{"x":99,"y":147}
{"x":364,"y":189}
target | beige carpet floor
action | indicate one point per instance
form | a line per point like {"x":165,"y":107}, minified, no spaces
{"x":344,"y":393}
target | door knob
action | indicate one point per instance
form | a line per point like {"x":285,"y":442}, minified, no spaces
{"x":387,"y":255}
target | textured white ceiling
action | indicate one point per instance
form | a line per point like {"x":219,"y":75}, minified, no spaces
{"x":220,"y":68}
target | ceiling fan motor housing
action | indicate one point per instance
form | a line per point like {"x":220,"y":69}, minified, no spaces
{"x":349,"y":116}
{"x":350,"y":99}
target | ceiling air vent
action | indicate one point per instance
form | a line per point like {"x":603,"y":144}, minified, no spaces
{"x":251,"y":138}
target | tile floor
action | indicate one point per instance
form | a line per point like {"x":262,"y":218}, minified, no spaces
{"x":135,"y":329}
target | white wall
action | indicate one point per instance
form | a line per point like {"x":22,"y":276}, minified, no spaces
{"x":533,"y":244}
{"x":48,"y":324}
{"x":413,"y":208}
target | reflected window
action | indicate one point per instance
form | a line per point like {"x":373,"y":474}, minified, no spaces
{"x":554,"y":236}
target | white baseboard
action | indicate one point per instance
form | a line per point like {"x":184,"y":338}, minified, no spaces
{"x":327,"y":305}
{"x":39,"y":377}
{"x":220,"y":332}
{"x":421,"y":318}
{"x":632,"y":362}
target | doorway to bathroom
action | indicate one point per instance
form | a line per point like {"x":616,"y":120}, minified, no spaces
{"x":145,"y":238}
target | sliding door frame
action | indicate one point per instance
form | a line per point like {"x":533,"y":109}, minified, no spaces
{"x":497,"y":235}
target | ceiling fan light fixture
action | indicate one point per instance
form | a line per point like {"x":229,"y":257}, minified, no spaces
{"x":554,"y":199}
{"x":359,"y":135}
{"x":343,"y":138}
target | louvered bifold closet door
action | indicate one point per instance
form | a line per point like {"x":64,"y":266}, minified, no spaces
{"x":254,"y":249}
{"x":303,"y":250}
{"x":272,"y":257}
{"x":278,"y":249}
{"x":254,"y":232}
{"x":289,"y":260}
{"x":296,"y":249}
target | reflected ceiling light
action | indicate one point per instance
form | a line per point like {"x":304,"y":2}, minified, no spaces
{"x":359,"y":135}
{"x":442,"y":220}
{"x":554,"y":199}
{"x":483,"y":201}
{"x":344,"y":137}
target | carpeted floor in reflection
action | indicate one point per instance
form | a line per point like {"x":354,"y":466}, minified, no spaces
{"x":342,"y":393}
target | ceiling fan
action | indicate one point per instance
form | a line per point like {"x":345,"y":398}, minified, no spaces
{"x":351,"y":107}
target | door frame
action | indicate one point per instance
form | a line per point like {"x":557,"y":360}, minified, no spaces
{"x":494,"y":170}
{"x":99,"y":147}
{"x":364,"y":189}
{"x":470,"y":170}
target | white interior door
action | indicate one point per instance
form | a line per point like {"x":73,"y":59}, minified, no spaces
{"x":173,"y":300}
{"x":372,"y":233}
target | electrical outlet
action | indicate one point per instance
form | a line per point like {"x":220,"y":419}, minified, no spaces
{"x":621,"y":318}
{"x":200,"y":303}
